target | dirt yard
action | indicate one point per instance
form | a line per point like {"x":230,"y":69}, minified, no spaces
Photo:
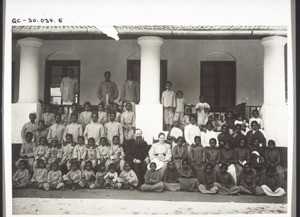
{"x":90,"y":202}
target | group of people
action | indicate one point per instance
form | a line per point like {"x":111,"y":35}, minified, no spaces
{"x":103,"y":149}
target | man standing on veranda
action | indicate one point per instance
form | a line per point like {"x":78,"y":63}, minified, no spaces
{"x":107,"y":91}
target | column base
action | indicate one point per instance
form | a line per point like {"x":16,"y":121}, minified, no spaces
{"x":149,"y":118}
{"x":275,"y":119}
{"x":20,"y":116}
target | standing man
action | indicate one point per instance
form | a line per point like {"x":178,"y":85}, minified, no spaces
{"x":130,"y":91}
{"x":107,"y":91}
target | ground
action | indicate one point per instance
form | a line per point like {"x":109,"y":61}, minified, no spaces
{"x":104,"y":201}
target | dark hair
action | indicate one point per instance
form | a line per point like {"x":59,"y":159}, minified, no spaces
{"x":178,"y":92}
{"x":161,"y":133}
{"x":74,"y":114}
{"x":271,"y":169}
{"x":112,"y":166}
{"x":247,"y":164}
{"x":116,"y":136}
{"x":99,"y":166}
{"x":208,"y":164}
{"x":54,"y":163}
{"x":180,"y":137}
{"x":43,"y":137}
{"x":41,"y":121}
{"x":255,"y":110}
{"x":94,"y":113}
{"x":213,"y":139}
{"x":87,"y":103}
{"x":188,"y":108}
{"x":89,"y":162}
{"x":107,"y":72}
{"x":57,"y":115}
{"x":40,"y":161}
{"x":91,"y":139}
{"x":271,"y":141}
{"x":80,"y":137}
{"x":69,"y":135}
{"x":29,"y":134}
{"x":153,"y":163}
{"x":237,"y":125}
{"x":197,"y":137}
{"x":23,"y":162}
{"x":112,"y":113}
{"x":254,"y":122}
{"x":74,"y":104}
{"x":75,"y":163}
{"x":185,"y":161}
{"x":169,"y":82}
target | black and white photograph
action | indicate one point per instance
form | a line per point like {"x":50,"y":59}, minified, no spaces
{"x":159,"y":117}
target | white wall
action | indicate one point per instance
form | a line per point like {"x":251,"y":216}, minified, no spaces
{"x":184,"y":56}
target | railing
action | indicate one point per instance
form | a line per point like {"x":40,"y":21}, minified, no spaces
{"x":241,"y":109}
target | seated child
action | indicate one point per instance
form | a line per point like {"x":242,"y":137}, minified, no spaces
{"x":208,"y":134}
{"x":88,"y":176}
{"x":272,"y":156}
{"x":91,"y":152}
{"x":224,"y":136}
{"x":64,"y":116}
{"x":186,"y":118}
{"x":56,"y":130}
{"x":222,"y":121}
{"x":243,"y":122}
{"x":67,"y":151}
{"x":113,"y":128}
{"x":101,"y":172}
{"x":94,"y":129}
{"x":48,"y":116}
{"x":207,"y":180}
{"x":170,"y":178}
{"x":217,"y":127}
{"x":152,"y":180}
{"x":79,"y":152}
{"x":174,"y":133}
{"x":73,"y":177}
{"x":30,"y":126}
{"x":225,"y":182}
{"x":21,"y":176}
{"x":247,"y":181}
{"x":103,"y":151}
{"x":187,"y":179}
{"x":85,"y":116}
{"x":54,"y":180}
{"x":255,"y":133}
{"x":227,"y":156}
{"x":41,"y":132}
{"x":75,"y":110}
{"x":196,"y":156}
{"x":255,"y":117}
{"x":40,"y":174}
{"x":111,"y":177}
{"x":115,"y":108}
{"x":212,"y":155}
{"x":73,"y":128}
{"x":257,"y":159}
{"x":27,"y":151}
{"x":117,"y":155}
{"x":128,"y":178}
{"x":242,"y":156}
{"x":230,"y":121}
{"x":237,"y":136}
{"x":54,"y":154}
{"x":271,"y":184}
{"x":102,"y":114}
{"x":40,"y":151}
{"x":179,"y":152}
{"x":128,"y":122}
{"x":179,"y":109}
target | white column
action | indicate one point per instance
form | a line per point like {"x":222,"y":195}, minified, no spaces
{"x":274,"y":110}
{"x":28,"y":87}
{"x":149,"y":112}
{"x":29,"y":69}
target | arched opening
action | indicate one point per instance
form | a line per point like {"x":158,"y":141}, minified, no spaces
{"x":57,"y":65}
{"x":218,"y":80}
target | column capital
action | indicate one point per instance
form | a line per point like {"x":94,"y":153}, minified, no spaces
{"x":273,"y":41}
{"x":150,"y":40}
{"x":30,"y":42}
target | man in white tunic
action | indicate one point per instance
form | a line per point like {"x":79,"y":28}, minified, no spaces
{"x":113,"y":128}
{"x":69,"y":88}
{"x":73,"y":128}
{"x":190,"y":131}
{"x":94,"y":129}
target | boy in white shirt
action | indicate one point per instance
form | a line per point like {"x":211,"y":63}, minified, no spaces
{"x":94,"y":129}
{"x":190,"y":131}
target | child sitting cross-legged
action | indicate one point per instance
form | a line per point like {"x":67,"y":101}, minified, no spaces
{"x":271,"y":183}
{"x":21,"y":176}
{"x":247,"y":181}
{"x":153,"y":179}
{"x":225,"y":182}
{"x":128,"y":178}
{"x":73,"y":177}
{"x":111,"y":177}
{"x":88,"y":176}
{"x":117,"y":154}
{"x":101,"y":172}
{"x":207,"y":180}
{"x":40,"y":174}
{"x":54,"y":180}
{"x":187,"y":179}
{"x":170,"y":178}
